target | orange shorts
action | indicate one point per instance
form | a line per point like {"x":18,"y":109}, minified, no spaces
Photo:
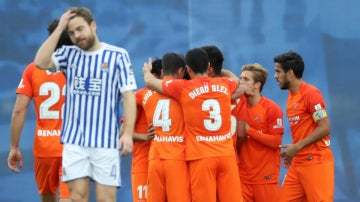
{"x":139,"y":186}
{"x":48,"y":172}
{"x":313,"y":182}
{"x":168,"y":180}
{"x":215,"y":179}
{"x":261,"y":192}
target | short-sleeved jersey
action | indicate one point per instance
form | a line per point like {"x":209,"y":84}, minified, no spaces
{"x":140,"y":149}
{"x":237,"y":114}
{"x":48,"y":93}
{"x":259,"y":163}
{"x":166,"y":115}
{"x":206,"y":104}
{"x":95,"y":81}
{"x":304,"y":109}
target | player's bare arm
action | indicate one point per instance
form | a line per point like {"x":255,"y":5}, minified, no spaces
{"x":229,"y":74}
{"x":129,"y":106}
{"x":150,"y":80}
{"x":43,"y":56}
{"x":320,"y":131}
{"x":17,"y":123}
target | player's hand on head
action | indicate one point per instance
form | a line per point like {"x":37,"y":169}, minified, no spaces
{"x":64,"y":19}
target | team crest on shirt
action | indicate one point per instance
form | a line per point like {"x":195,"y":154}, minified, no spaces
{"x":295,"y":106}
{"x":105,"y":67}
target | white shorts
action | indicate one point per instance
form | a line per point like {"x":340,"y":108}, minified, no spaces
{"x":100,"y":164}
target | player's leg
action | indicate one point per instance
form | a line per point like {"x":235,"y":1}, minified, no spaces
{"x":105,"y":164}
{"x":64,"y":192}
{"x":76,"y":171}
{"x":45,"y":178}
{"x":156,"y":181}
{"x":139,"y":186}
{"x":291,"y":189}
{"x":228,"y":180}
{"x":79,"y":189}
{"x":318,"y":181}
{"x":177,"y":181}
{"x":267,"y":192}
{"x":203,"y":179}
{"x":247,"y":192}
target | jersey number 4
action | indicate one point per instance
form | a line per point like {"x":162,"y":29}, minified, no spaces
{"x":161,"y":116}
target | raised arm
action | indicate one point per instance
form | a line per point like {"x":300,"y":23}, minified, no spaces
{"x":43,"y":56}
{"x":229,"y":74}
{"x":150,"y":80}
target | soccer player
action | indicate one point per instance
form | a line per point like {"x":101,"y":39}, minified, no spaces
{"x":259,"y":154}
{"x":168,"y":176}
{"x":206,"y":105}
{"x":140,"y":157}
{"x":215,"y":69}
{"x":97,"y":75}
{"x":47,"y":90}
{"x":310,"y":176}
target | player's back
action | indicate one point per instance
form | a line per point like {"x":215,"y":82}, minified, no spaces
{"x":206,"y":103}
{"x":166,"y":115}
{"x":48,"y":92}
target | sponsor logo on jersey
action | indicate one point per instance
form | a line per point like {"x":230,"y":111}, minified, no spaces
{"x":279,"y":123}
{"x":168,"y":138}
{"x":213,"y":138}
{"x":87,"y":86}
{"x":48,"y":133}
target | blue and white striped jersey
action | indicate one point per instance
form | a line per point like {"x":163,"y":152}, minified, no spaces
{"x":94,"y":84}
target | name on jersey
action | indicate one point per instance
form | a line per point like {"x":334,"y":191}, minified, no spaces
{"x":48,"y":133}
{"x":205,"y":89}
{"x":87,"y":86}
{"x":213,"y":138}
{"x":168,"y":138}
{"x":148,"y":94}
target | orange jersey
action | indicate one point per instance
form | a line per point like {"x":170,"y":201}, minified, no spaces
{"x":260,"y":163}
{"x":304,"y":109}
{"x":237,"y":114}
{"x":48,"y":92}
{"x":166,"y":115}
{"x":140,"y":149}
{"x":206,"y":104}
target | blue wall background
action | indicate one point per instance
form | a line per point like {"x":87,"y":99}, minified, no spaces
{"x":325,"y":32}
